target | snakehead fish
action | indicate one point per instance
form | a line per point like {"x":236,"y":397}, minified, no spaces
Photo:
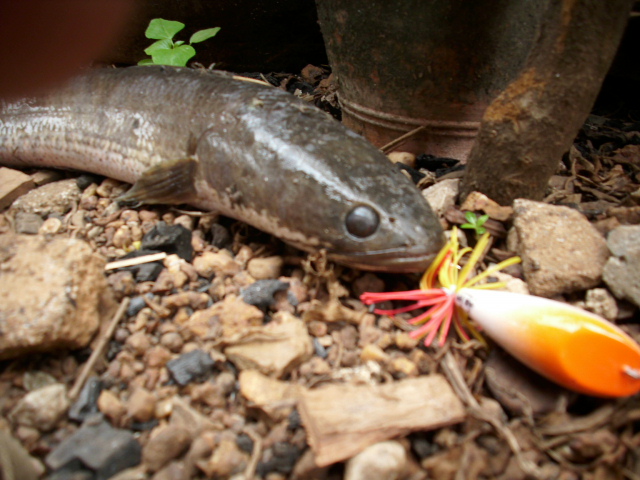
{"x":247,"y":151}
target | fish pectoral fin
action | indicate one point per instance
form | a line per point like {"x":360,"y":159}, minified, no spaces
{"x":170,"y":182}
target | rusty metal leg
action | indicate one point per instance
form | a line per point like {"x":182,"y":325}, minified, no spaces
{"x":528,"y":127}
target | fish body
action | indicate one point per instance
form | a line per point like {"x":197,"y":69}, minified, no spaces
{"x":247,"y":151}
{"x":566,"y":344}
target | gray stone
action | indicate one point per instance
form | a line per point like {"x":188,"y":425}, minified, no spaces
{"x":561,"y":251}
{"x":99,"y":447}
{"x":52,"y":294}
{"x":622,"y":271}
{"x":28,"y":223}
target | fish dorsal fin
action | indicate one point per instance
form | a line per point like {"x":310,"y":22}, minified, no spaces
{"x":170,"y":182}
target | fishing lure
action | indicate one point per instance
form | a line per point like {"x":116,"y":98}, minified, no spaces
{"x":570,"y":346}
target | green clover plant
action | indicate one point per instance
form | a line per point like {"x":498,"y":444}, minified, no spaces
{"x":475,"y":223}
{"x":166,"y":51}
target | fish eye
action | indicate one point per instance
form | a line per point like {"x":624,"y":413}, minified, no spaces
{"x":362,"y":221}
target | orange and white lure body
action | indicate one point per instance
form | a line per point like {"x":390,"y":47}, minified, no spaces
{"x":572,"y":347}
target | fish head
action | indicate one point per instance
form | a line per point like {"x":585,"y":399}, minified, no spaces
{"x":340,"y":193}
{"x":375,"y":218}
{"x":310,"y":181}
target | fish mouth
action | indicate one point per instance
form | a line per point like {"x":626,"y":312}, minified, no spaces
{"x":395,"y":260}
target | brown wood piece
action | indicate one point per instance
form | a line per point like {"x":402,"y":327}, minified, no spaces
{"x":13,"y":184}
{"x":342,"y":419}
{"x":528,"y":127}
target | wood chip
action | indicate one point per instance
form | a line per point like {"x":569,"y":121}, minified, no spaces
{"x":13,"y":184}
{"x":342,"y":420}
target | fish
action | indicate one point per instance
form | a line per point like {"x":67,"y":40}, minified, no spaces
{"x":247,"y":151}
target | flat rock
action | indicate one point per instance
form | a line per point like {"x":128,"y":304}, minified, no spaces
{"x":275,"y":398}
{"x":99,"y":447}
{"x":442,"y":195}
{"x":232,"y":315}
{"x":52,"y":294}
{"x":57,"y":197}
{"x":561,"y":251}
{"x":274,"y":349}
{"x":622,"y":271}
{"x":341,"y":420}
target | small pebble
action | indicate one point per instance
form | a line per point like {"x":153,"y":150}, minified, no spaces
{"x":138,"y":343}
{"x":148,"y":216}
{"x":319,"y":349}
{"x":406,"y":158}
{"x":173,"y":341}
{"x":185,"y":220}
{"x":209,"y":264}
{"x":404,"y":341}
{"x":404,"y":366}
{"x":123,"y":283}
{"x":136,"y":304}
{"x":195,"y":300}
{"x":220,"y":236}
{"x":110,"y":187}
{"x":226,"y":460}
{"x":227,"y":382}
{"x":51,"y":226}
{"x":171,"y":239}
{"x":166,"y":443}
{"x":111,"y":406}
{"x":265,"y":268}
{"x":317,"y":328}
{"x":601,"y":302}
{"x":381,"y":461}
{"x":190,"y":367}
{"x":87,"y":179}
{"x":141,"y":405}
{"x":157,"y":357}
{"x":261,"y":292}
{"x":122,"y":237}
{"x":373,"y":352}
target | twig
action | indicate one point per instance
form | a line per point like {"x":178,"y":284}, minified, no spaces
{"x":97,"y":351}
{"x":256,"y":453}
{"x":455,"y":377}
{"x":130,"y":262}
{"x":394,"y":143}
{"x":252,"y":80}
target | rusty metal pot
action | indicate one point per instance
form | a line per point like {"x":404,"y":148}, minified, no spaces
{"x":437,"y":64}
